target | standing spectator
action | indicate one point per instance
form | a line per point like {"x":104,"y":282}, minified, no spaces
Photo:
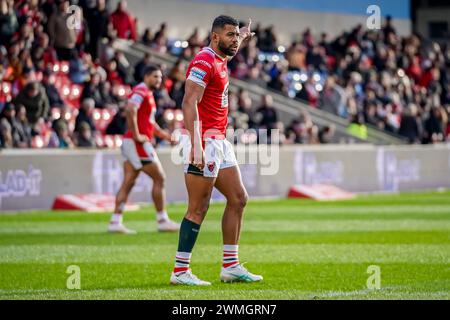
{"x":409,"y":124}
{"x":123,"y":22}
{"x":194,"y":39}
{"x":161,"y":34}
{"x":434,"y":125}
{"x":147,"y":37}
{"x":97,"y":19}
{"x":35,"y":100}
{"x":8,"y":21}
{"x":62,"y":37}
{"x":160,"y":40}
{"x":268,"y":41}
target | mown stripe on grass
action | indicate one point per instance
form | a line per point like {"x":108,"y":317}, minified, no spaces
{"x":311,"y":253}
{"x":253,"y":225}
{"x":248,"y":238}
{"x":161,"y":294}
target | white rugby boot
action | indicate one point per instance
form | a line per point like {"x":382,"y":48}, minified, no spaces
{"x":119,"y":228}
{"x":168,"y":226}
{"x":187,"y":278}
{"x":238,"y":274}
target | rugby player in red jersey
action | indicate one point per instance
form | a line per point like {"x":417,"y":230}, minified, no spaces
{"x":140,"y":154}
{"x":212,"y":162}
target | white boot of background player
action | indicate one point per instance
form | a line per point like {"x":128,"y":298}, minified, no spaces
{"x":116,"y":225}
{"x":165,"y":224}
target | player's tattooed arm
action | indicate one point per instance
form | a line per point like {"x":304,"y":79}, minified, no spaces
{"x":131,"y":114}
{"x":193,"y":95}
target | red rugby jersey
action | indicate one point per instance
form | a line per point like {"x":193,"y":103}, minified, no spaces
{"x":210,"y":71}
{"x":142,"y":97}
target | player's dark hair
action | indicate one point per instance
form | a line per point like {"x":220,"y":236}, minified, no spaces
{"x":221,"y":21}
{"x":149,"y":69}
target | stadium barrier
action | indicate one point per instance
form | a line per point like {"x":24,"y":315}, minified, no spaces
{"x":31,"y":179}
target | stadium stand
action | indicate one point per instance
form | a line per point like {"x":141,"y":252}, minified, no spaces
{"x":363,"y":85}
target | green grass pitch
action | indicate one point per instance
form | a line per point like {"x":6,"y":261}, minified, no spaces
{"x":304,"y":250}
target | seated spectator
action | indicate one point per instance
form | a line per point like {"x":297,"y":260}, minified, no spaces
{"x":35,"y":100}
{"x":140,"y":67}
{"x":237,"y":118}
{"x":295,"y":56}
{"x":78,"y":69}
{"x":332,"y":98}
{"x":54,"y":98}
{"x":123,"y":67}
{"x":85,"y":115}
{"x":255,"y":77}
{"x":6,"y":138}
{"x":25,"y":130}
{"x":92,"y":90}
{"x":299,"y":129}
{"x":113,"y":76}
{"x":42,"y":53}
{"x":84,"y":136}
{"x":118,"y":124}
{"x":267,"y":113}
{"x":16,"y":131}
{"x":60,"y":138}
{"x":278,"y":84}
{"x":326,"y":134}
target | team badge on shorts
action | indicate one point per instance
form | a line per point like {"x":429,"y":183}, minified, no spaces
{"x":211,"y":165}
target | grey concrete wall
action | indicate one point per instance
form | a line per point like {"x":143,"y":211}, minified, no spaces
{"x":31,"y":179}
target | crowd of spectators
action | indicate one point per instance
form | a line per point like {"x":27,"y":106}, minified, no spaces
{"x":369,"y":77}
{"x":64,"y":85}
{"x":62,"y":82}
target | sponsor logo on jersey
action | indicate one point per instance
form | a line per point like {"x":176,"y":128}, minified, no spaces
{"x":198,"y":73}
{"x":206,"y":63}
